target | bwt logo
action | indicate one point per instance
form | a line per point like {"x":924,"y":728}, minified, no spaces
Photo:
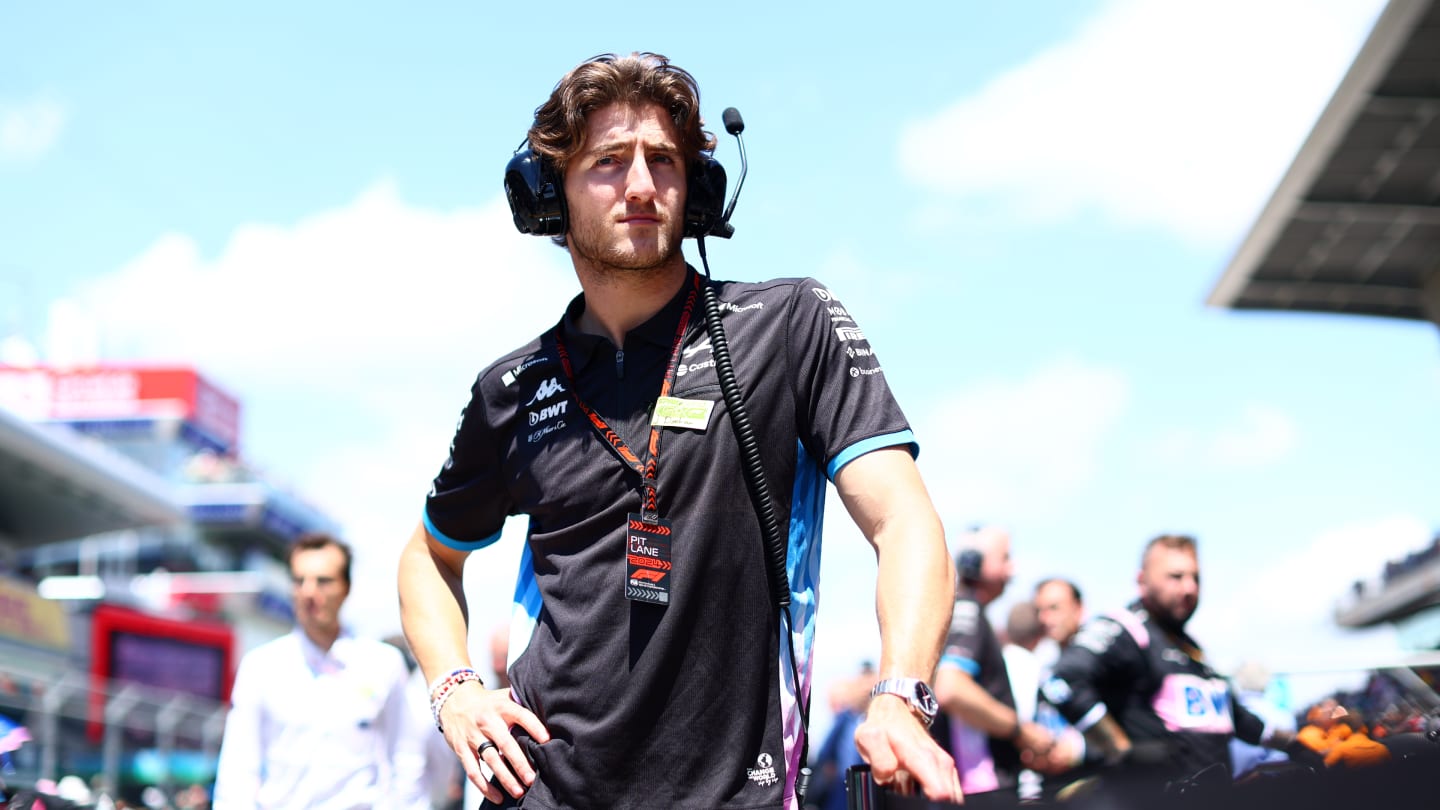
{"x":536,"y":417}
{"x":547,"y":389}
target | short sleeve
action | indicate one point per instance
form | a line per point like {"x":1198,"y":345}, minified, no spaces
{"x":468,"y":501}
{"x":846,"y":406}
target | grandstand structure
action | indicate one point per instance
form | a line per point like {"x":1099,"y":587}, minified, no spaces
{"x":140,"y":556}
{"x":1354,"y":228}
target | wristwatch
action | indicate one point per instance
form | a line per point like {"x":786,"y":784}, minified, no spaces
{"x":915,"y":692}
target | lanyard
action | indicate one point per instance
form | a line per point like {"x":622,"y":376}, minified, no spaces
{"x":649,"y":470}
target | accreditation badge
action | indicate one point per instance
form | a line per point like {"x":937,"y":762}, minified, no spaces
{"x":647,"y":560}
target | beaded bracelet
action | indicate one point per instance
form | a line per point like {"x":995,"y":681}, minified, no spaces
{"x":443,"y":687}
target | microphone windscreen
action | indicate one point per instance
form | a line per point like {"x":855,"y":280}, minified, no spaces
{"x":734,"y":124}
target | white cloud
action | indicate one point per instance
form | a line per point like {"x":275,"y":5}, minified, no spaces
{"x":1259,"y":435}
{"x":29,"y":131}
{"x":352,"y":337}
{"x":1002,"y":449}
{"x":1282,"y":615}
{"x":1154,"y":114}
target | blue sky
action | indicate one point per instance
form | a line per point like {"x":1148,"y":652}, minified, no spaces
{"x":1024,"y":204}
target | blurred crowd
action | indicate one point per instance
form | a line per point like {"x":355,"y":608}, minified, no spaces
{"x":1059,"y":704}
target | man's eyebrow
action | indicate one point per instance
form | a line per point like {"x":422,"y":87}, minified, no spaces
{"x":615,"y":144}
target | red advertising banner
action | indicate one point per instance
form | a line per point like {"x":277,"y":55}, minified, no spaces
{"x":121,"y":392}
{"x":169,"y":655}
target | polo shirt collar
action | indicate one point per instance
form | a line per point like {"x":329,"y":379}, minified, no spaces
{"x":659,"y":330}
{"x":320,"y":661}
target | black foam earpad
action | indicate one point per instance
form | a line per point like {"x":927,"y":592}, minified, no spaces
{"x":704,"y":197}
{"x":536,"y":195}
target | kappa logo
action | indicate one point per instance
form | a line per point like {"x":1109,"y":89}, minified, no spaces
{"x":823,"y":294}
{"x":763,"y":774}
{"x":548,"y":412}
{"x":849,"y":333}
{"x":547,"y":389}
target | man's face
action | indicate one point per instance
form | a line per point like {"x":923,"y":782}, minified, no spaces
{"x":996,"y":567}
{"x":625,"y":189}
{"x":1170,"y":583}
{"x":320,"y":589}
{"x":1060,"y":612}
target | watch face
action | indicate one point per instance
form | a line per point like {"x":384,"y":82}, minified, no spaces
{"x":925,"y":699}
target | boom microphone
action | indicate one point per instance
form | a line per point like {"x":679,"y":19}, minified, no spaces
{"x":734,"y":125}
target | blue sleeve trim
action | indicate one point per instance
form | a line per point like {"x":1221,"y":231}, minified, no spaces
{"x":860,"y":448}
{"x":969,"y":666}
{"x":450,"y":542}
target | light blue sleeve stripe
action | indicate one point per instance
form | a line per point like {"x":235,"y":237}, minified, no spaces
{"x":860,"y":448}
{"x":970,"y":667}
{"x":458,"y":545}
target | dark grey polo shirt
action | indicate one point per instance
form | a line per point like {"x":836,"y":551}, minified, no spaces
{"x":691,"y":704}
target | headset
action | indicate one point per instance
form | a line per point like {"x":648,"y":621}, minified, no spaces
{"x":969,"y":564}
{"x":536,"y":192}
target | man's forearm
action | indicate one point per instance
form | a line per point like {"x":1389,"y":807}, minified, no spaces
{"x":1108,"y":739}
{"x":433,"y":612}
{"x":914,"y":592}
{"x":961,"y":697}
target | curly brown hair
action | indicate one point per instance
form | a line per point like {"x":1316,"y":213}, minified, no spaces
{"x":558,"y":133}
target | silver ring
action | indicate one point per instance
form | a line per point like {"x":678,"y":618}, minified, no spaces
{"x":482,"y":748}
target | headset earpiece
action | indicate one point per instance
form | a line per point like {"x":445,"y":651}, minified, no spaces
{"x":704,"y":197}
{"x":536,"y":194}
{"x":969,"y":564}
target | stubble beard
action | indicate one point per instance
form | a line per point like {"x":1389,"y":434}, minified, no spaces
{"x":609,"y":261}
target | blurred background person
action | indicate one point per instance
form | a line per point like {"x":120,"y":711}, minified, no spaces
{"x":1023,"y":634}
{"x":500,"y":653}
{"x":318,"y":715}
{"x":837,"y":754}
{"x":1139,"y":687}
{"x":438,"y":784}
{"x":1060,"y":608}
{"x":978,"y":724}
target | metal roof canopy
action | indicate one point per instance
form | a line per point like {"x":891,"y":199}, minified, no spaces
{"x":1354,"y":226}
{"x":58,"y":487}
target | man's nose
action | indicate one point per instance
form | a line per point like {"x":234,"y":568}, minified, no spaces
{"x":639,"y":183}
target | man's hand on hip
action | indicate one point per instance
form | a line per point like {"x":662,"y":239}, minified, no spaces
{"x":477,"y":724}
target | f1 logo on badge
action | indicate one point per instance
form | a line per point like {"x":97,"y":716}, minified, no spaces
{"x":648,"y":575}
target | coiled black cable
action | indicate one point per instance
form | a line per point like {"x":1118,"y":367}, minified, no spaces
{"x":753,"y":468}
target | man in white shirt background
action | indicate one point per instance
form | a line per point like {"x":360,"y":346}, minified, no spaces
{"x":317,"y":716}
